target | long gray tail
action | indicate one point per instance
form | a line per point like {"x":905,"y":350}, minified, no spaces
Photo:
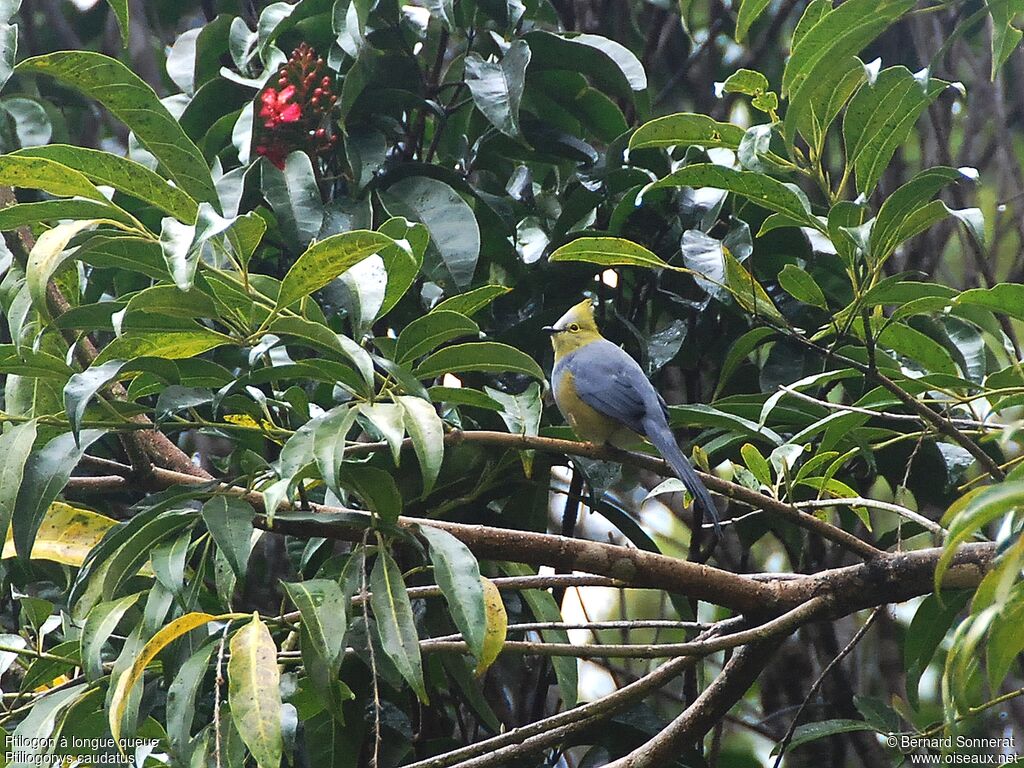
{"x":663,"y":439}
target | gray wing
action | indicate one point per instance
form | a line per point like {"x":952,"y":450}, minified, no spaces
{"x":613,"y":384}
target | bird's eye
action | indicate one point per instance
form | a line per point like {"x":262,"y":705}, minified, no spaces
{"x":574,"y":328}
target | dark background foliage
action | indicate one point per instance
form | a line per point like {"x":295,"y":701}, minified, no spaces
{"x":399,"y":198}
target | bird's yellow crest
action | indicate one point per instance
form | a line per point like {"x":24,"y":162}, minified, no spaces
{"x":575,"y":329}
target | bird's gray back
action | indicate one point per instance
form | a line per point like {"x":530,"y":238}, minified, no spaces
{"x":612,"y":383}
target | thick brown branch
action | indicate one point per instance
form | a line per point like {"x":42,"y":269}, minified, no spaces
{"x":709,"y":708}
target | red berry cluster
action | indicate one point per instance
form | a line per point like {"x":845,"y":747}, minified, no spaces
{"x":293,"y":111}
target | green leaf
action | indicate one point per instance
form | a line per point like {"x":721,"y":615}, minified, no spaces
{"x":757,"y":187}
{"x":801,"y":286}
{"x":757,"y":464}
{"x":471,"y":302}
{"x":607,"y":64}
{"x":821,"y":57}
{"x":46,"y":472}
{"x":254,"y":692}
{"x":172,"y":345}
{"x":47,"y":175}
{"x":133,"y":101}
{"x":990,"y":504}
{"x":686,"y":129}
{"x":426,"y":430}
{"x":330,"y":437}
{"x":464,"y":396}
{"x":880,"y":117}
{"x":120,"y":9}
{"x":746,"y":81}
{"x":325,"y":260}
{"x":25,"y":214}
{"x":497,"y":87}
{"x":99,"y":626}
{"x":426,"y":333}
{"x":748,"y":13}
{"x":182,"y":695}
{"x":124,"y":175}
{"x":402,"y":260}
{"x":376,"y":487}
{"x":608,"y":252}
{"x":891,"y":224}
{"x":127,"y":559}
{"x":521,"y":414}
{"x":452,"y":224}
{"x":738,"y":353}
{"x":458,"y":574}
{"x":322,"y":611}
{"x":1005,"y":36}
{"x":46,"y":257}
{"x":1005,"y":640}
{"x":1005,"y":298}
{"x":229,"y":521}
{"x":388,"y":420}
{"x":15,"y":448}
{"x":396,"y":628}
{"x":82,"y":387}
{"x":485,"y":356}
{"x":930,"y":624}
{"x":809,"y":732}
{"x":747,"y":292}
{"x":295,"y":197}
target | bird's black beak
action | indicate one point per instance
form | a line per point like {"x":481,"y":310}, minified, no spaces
{"x":549,"y":329}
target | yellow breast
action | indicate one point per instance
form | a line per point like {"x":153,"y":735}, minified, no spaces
{"x":587,"y":423}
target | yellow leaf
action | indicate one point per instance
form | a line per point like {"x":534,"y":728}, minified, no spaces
{"x":497,"y":626}
{"x":66,"y":535}
{"x":159,"y":641}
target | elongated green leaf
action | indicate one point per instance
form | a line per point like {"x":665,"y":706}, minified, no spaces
{"x":800,"y":285}
{"x":82,"y":387}
{"x":1006,"y":298}
{"x":453,"y":227}
{"x":133,"y":101}
{"x":607,"y":64}
{"x":809,"y":732}
{"x":46,"y":473}
{"x":424,"y":334}
{"x":608,"y":252}
{"x":881,"y":116}
{"x":46,"y":257}
{"x":748,"y":13}
{"x":930,"y":624}
{"x":686,"y":129}
{"x":821,"y":57}
{"x":229,"y":521}
{"x":99,"y":626}
{"x":376,"y":487}
{"x":15,"y":447}
{"x":24,"y":214}
{"x":120,"y":9}
{"x":144,"y":535}
{"x":322,"y":609}
{"x":981,"y":509}
{"x":172,"y":345}
{"x":295,"y":197}
{"x":746,"y":290}
{"x":254,"y":692}
{"x":497,"y":87}
{"x":330,"y":436}
{"x":392,"y":613}
{"x":458,"y":574}
{"x":47,"y":175}
{"x":891,"y":223}
{"x":756,"y":187}
{"x":426,"y":430}
{"x":122,"y":174}
{"x":471,"y":302}
{"x":182,"y":695}
{"x":325,"y":260}
{"x":1005,"y":36}
{"x":488,"y":356}
{"x":738,"y":353}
